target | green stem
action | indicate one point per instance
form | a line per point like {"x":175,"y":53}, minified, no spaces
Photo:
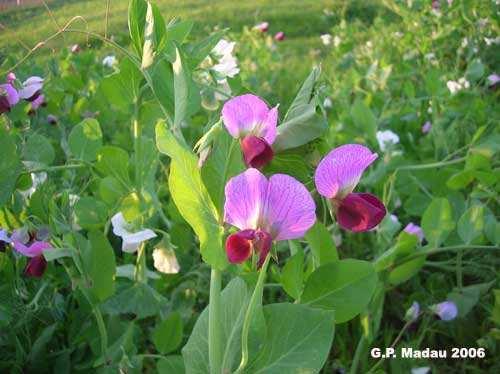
{"x":214,"y":323}
{"x":140,"y":267}
{"x":432,"y":165}
{"x":357,"y":355}
{"x":255,"y":301}
{"x":459,"y":271}
{"x":58,"y":167}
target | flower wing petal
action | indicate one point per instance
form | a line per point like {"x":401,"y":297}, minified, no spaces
{"x":243,"y":113}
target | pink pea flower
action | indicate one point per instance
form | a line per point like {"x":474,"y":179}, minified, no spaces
{"x":11,"y":77}
{"x":413,"y":229}
{"x":8,"y":97}
{"x":265,"y":210}
{"x":37,"y":264}
{"x":262,"y":27}
{"x":446,"y":310}
{"x":249,"y":119}
{"x":280,"y":36}
{"x":426,"y":127}
{"x":337,"y":175}
{"x":32,"y":88}
{"x":75,"y":48}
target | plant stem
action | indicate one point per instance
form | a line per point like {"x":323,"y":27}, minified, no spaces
{"x":140,"y":267}
{"x":214,"y":323}
{"x":255,"y":301}
{"x":357,"y":355}
{"x":57,"y":167}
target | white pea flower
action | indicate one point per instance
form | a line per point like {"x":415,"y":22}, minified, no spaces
{"x":109,"y":61}
{"x":336,"y":41}
{"x":227,"y":67}
{"x":327,"y":103}
{"x":131,"y":240}
{"x":326,"y":39}
{"x":386,"y":138}
{"x":223,"y":48}
{"x":165,"y":261}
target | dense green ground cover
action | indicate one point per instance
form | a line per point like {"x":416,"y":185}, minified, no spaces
{"x":418,"y":77}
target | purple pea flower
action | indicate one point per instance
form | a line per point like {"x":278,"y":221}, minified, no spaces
{"x":493,"y":80}
{"x":11,"y":77}
{"x":32,"y":88}
{"x":337,"y":175}
{"x":280,"y":36}
{"x":8,"y":97}
{"x":262,"y":27}
{"x":51,"y":119}
{"x":426,"y":127}
{"x":29,"y":245}
{"x":413,"y":229}
{"x":447,"y":310}
{"x":280,"y":208}
{"x":38,"y":102}
{"x":4,"y":239}
{"x":248,"y":118}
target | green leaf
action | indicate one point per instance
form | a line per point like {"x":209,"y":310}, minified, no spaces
{"x":10,"y":166}
{"x":200,"y":50}
{"x":437,"y":221}
{"x":85,"y":139}
{"x":344,"y":286}
{"x":291,"y":164}
{"x":405,"y":245}
{"x":110,"y":190}
{"x":177,"y":32}
{"x":139,"y":299}
{"x":405,"y":271}
{"x":298,"y":340}
{"x":39,"y":346}
{"x":171,"y":365}
{"x":181,"y":89}
{"x":90,"y":213}
{"x":192,"y":198}
{"x":101,"y":266}
{"x":136,"y":17}
{"x":475,"y":70}
{"x":122,"y":88}
{"x":292,"y":276}
{"x":467,"y":297}
{"x":460,"y":180}
{"x":167,"y":335}
{"x":471,"y":224}
{"x":235,"y":298}
{"x":224,"y":162}
{"x":364,"y":119}
{"x":301,"y":123}
{"x":113,"y":161}
{"x":322,"y":245}
{"x":39,"y":149}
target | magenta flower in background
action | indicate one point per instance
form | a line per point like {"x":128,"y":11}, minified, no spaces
{"x":249,"y":119}
{"x":280,"y":36}
{"x":36,"y":264}
{"x":11,"y":77}
{"x":262,"y":27}
{"x":32,"y":88}
{"x":413,"y":229}
{"x":280,"y":208}
{"x":8,"y":97}
{"x":446,"y":310}
{"x":337,"y":175}
{"x":426,"y":127}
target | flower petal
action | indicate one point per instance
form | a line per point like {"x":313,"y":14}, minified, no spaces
{"x":290,"y":210}
{"x":132,"y":241}
{"x":10,"y":92}
{"x":33,"y":250}
{"x":256,"y":151}
{"x":239,"y":246}
{"x":119,"y":225}
{"x":35,"y":267}
{"x":248,"y":114}
{"x":340,"y":171}
{"x":245,"y":197}
{"x":31,"y":87}
{"x":165,"y":261}
{"x":360,"y":212}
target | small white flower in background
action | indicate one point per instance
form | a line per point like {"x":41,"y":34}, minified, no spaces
{"x":131,"y":240}
{"x":109,"y":61}
{"x":490,"y":41}
{"x":464,"y":82}
{"x":165,"y":261}
{"x":394,"y":218}
{"x":73,"y":199}
{"x":369,"y":44}
{"x":36,"y":180}
{"x":227,"y":67}
{"x":386,"y":138}
{"x":455,"y":86}
{"x":465,"y":43}
{"x":421,"y":370}
{"x":223,"y":48}
{"x":327,"y":103}
{"x":398,"y":34}
{"x":336,"y":41}
{"x":326,"y":39}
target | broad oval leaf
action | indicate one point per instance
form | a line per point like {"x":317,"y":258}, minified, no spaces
{"x":85,"y":139}
{"x":10,"y":166}
{"x":437,"y":221}
{"x":344,"y":286}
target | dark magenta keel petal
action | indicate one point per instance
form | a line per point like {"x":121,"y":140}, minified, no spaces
{"x":360,"y":212}
{"x":256,"y":151}
{"x":36,"y":267}
{"x":262,"y":244}
{"x":239,"y":246}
